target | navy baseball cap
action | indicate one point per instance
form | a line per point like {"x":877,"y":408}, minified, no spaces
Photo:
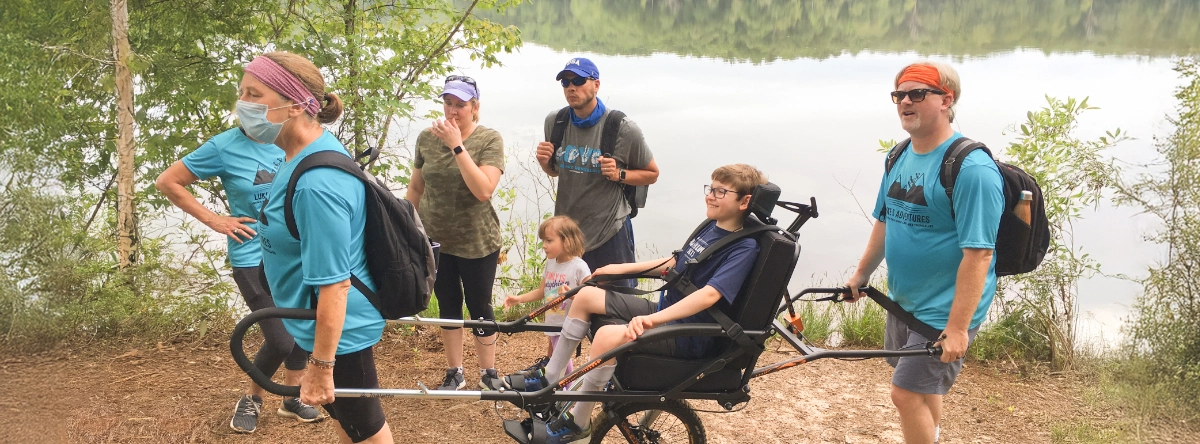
{"x":581,"y":67}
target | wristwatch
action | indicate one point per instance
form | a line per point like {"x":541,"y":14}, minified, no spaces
{"x":622,"y":178}
{"x":457,"y":150}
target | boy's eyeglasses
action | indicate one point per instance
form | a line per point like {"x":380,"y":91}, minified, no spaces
{"x":916,"y":95}
{"x":718,"y":193}
{"x":463,"y":79}
{"x":577,"y":81}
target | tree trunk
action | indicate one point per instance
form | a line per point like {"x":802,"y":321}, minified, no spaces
{"x":127,"y":241}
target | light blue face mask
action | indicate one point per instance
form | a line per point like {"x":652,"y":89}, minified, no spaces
{"x":253,"y":117}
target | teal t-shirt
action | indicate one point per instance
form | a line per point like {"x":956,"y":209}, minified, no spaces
{"x":246,"y":169}
{"x":924,"y":242}
{"x":329,"y":207}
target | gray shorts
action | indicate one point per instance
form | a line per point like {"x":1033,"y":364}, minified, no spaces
{"x":919,"y":374}
{"x":619,"y":308}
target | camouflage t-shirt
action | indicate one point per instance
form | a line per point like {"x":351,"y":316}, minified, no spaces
{"x":452,"y":216}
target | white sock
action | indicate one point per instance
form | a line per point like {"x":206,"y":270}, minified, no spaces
{"x":592,"y":382}
{"x":937,"y":431}
{"x":573,"y":331}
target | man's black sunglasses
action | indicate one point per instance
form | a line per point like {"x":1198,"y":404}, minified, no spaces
{"x":916,"y":95}
{"x":577,"y":81}
{"x":463,"y":79}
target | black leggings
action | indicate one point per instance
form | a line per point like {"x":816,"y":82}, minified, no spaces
{"x":473,"y":278}
{"x":278,"y":346}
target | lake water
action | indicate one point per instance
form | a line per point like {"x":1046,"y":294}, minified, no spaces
{"x":719,"y":82}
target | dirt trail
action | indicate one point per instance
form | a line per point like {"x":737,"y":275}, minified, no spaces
{"x":185,"y":393}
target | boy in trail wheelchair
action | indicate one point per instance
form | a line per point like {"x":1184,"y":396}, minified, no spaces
{"x":727,"y":202}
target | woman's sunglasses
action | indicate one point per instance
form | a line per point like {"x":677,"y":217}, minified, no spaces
{"x":916,"y":95}
{"x":463,"y":79}
{"x":577,"y":81}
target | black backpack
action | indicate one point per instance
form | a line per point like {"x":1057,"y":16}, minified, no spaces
{"x":634,"y":194}
{"x":400,"y":257}
{"x":1020,"y":248}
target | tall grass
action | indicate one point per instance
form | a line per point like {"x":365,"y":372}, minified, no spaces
{"x":861,"y":324}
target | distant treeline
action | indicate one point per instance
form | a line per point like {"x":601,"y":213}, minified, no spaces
{"x":765,"y":30}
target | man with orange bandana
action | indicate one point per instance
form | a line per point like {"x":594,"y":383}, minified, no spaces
{"x":939,"y":251}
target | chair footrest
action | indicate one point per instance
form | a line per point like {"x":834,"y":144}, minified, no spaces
{"x":517,"y":430}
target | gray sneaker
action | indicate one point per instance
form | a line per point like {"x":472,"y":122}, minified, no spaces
{"x":454,"y":379}
{"x":245,"y":414}
{"x":293,"y":408}
{"x":490,"y":380}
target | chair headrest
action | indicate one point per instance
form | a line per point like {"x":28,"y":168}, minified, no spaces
{"x":762,"y":201}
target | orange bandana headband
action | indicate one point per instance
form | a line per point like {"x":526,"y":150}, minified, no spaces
{"x":924,"y":74}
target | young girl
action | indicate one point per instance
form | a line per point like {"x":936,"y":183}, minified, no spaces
{"x":562,"y":240}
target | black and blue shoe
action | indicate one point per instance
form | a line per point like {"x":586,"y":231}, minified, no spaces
{"x":527,"y":382}
{"x":563,"y":430}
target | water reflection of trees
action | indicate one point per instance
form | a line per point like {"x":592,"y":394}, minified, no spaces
{"x":763,"y":30}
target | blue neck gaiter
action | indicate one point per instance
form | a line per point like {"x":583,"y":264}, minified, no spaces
{"x":590,"y":120}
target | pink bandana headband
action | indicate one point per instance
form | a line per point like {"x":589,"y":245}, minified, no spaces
{"x":283,"y":82}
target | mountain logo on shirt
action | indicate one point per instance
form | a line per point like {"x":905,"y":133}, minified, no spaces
{"x":913,"y":192}
{"x":263,"y":176}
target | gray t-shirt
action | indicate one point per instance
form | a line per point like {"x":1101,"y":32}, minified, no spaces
{"x":596,"y":203}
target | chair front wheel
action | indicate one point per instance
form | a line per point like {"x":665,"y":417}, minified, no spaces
{"x":671,"y":422}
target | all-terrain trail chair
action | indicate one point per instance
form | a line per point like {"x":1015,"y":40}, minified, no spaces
{"x":725,"y":372}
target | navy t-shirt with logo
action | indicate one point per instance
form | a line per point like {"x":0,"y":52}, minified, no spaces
{"x":725,"y":271}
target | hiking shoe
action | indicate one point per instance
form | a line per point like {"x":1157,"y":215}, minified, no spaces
{"x":454,"y":379}
{"x":527,"y":382}
{"x":245,"y":414}
{"x":563,"y":430}
{"x":293,"y":408}
{"x":539,"y":365}
{"x":490,"y":380}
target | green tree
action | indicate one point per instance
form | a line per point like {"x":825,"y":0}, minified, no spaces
{"x":1040,"y":308}
{"x":66,"y":63}
{"x":1163,"y":327}
{"x":384,"y":56}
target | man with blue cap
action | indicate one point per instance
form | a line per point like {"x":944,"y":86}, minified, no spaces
{"x":591,"y":185}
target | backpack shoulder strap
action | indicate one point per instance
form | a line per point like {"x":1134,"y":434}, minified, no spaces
{"x":612,"y":126}
{"x":952,"y":163}
{"x":894,"y":155}
{"x":559,"y":130}
{"x":326,"y":159}
{"x":320,"y":159}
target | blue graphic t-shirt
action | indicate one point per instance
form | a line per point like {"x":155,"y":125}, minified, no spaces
{"x":329,"y":207}
{"x":924,"y":242}
{"x":724,"y":271}
{"x":246,"y":169}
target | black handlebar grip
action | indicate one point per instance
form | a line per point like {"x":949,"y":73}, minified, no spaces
{"x":239,"y":333}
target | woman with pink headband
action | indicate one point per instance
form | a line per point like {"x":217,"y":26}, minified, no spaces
{"x":284,"y":95}
{"x":245,"y":160}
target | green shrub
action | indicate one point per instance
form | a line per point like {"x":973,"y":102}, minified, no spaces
{"x":62,"y":284}
{"x":1162,"y":331}
{"x":1073,"y":175}
{"x":1011,"y":337}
